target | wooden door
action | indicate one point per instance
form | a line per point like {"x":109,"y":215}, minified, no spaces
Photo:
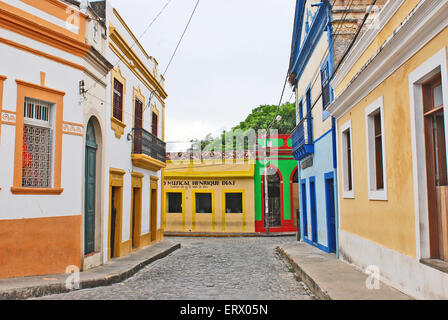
{"x":436,"y":167}
{"x":90,"y":186}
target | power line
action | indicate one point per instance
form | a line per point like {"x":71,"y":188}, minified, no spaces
{"x":180,"y":40}
{"x":139,"y":38}
{"x":177,"y":47}
{"x":342,"y":59}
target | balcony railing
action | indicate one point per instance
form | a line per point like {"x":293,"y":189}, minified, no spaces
{"x":302,"y":139}
{"x":148,"y":144}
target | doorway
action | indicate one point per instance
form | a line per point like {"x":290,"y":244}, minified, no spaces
{"x":114,"y":205}
{"x":273,"y":197}
{"x":90,"y":189}
{"x":153,"y":214}
{"x":331,"y":219}
{"x":136,"y":217}
{"x":313,"y":210}
{"x":436,"y":167}
{"x":295,"y":203}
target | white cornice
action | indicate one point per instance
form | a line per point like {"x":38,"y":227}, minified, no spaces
{"x":427,"y":20}
{"x":384,"y":16}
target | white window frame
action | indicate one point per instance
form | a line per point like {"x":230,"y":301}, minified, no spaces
{"x":435,"y":64}
{"x":347,"y":194}
{"x":373,"y":192}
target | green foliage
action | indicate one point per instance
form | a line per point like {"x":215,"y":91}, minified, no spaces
{"x":259,"y":119}
{"x":262,"y":116}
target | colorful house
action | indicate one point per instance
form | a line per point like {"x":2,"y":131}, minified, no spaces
{"x":276,"y":185}
{"x":136,"y":152}
{"x":208,"y":194}
{"x":322,"y":33}
{"x":43,"y":47}
{"x":391,"y":109}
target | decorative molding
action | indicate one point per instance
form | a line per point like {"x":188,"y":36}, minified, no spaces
{"x":127,"y":52}
{"x":73,"y":128}
{"x":32,"y":27}
{"x":145,"y":162}
{"x":8,"y":117}
{"x":384,"y":16}
{"x":41,"y":54}
{"x":423,"y":24}
{"x":117,"y":126}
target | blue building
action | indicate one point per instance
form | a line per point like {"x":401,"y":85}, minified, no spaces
{"x":311,"y":66}
{"x":321,"y":37}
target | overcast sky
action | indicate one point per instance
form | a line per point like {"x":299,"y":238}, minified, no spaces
{"x":233,"y":58}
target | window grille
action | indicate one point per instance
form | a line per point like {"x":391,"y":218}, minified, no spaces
{"x":37,"y":144}
{"x":37,"y":111}
{"x":37,"y":154}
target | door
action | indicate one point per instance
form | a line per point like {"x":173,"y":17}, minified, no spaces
{"x":113,"y":220}
{"x":90,"y":186}
{"x":304,"y":210}
{"x":331,"y":221}
{"x":136,"y":217}
{"x":313,"y":210}
{"x":153,"y":214}
{"x":273,"y":196}
{"x":436,"y":167}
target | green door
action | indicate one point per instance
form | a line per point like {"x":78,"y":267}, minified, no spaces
{"x":90,"y":184}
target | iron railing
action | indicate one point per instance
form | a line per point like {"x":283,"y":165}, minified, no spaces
{"x":302,"y":138}
{"x":148,"y":144}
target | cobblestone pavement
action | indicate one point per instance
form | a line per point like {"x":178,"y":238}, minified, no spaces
{"x":210,"y":269}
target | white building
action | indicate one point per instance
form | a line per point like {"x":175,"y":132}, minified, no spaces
{"x":42,"y":45}
{"x":135,"y":152}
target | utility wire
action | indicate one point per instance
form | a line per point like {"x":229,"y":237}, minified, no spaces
{"x":139,"y":38}
{"x":175,"y":50}
{"x":180,"y":40}
{"x":342,"y":59}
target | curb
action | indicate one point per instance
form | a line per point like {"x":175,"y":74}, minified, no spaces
{"x":91,"y":282}
{"x":228,"y":235}
{"x":301,"y":275}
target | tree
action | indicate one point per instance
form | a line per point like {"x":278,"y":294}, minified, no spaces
{"x":259,"y":119}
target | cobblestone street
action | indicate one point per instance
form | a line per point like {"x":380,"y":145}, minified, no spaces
{"x":210,"y":268}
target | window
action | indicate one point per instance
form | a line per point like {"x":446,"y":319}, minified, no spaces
{"x":154,"y":125}
{"x":376,"y":151}
{"x":204,"y":203}
{"x":174,"y":202}
{"x":309,"y":116}
{"x":37,"y":144}
{"x":118,"y":100}
{"x":301,"y":109}
{"x":347,"y":160}
{"x":234,"y":202}
{"x":325,"y":83}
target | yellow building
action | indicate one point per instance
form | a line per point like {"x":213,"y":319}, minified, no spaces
{"x":391,"y":108}
{"x":208,"y":197}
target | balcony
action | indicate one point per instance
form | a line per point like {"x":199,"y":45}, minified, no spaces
{"x":302,"y":139}
{"x":148,"y":151}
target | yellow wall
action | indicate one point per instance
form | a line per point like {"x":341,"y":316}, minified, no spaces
{"x":405,"y":9}
{"x":218,"y":221}
{"x":390,"y":223}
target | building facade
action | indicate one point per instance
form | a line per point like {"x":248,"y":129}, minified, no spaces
{"x":322,"y":34}
{"x":391,"y":112}
{"x":41,"y":137}
{"x":276,"y":185}
{"x":135,"y":152}
{"x":209,"y":196}
{"x":94,"y":91}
